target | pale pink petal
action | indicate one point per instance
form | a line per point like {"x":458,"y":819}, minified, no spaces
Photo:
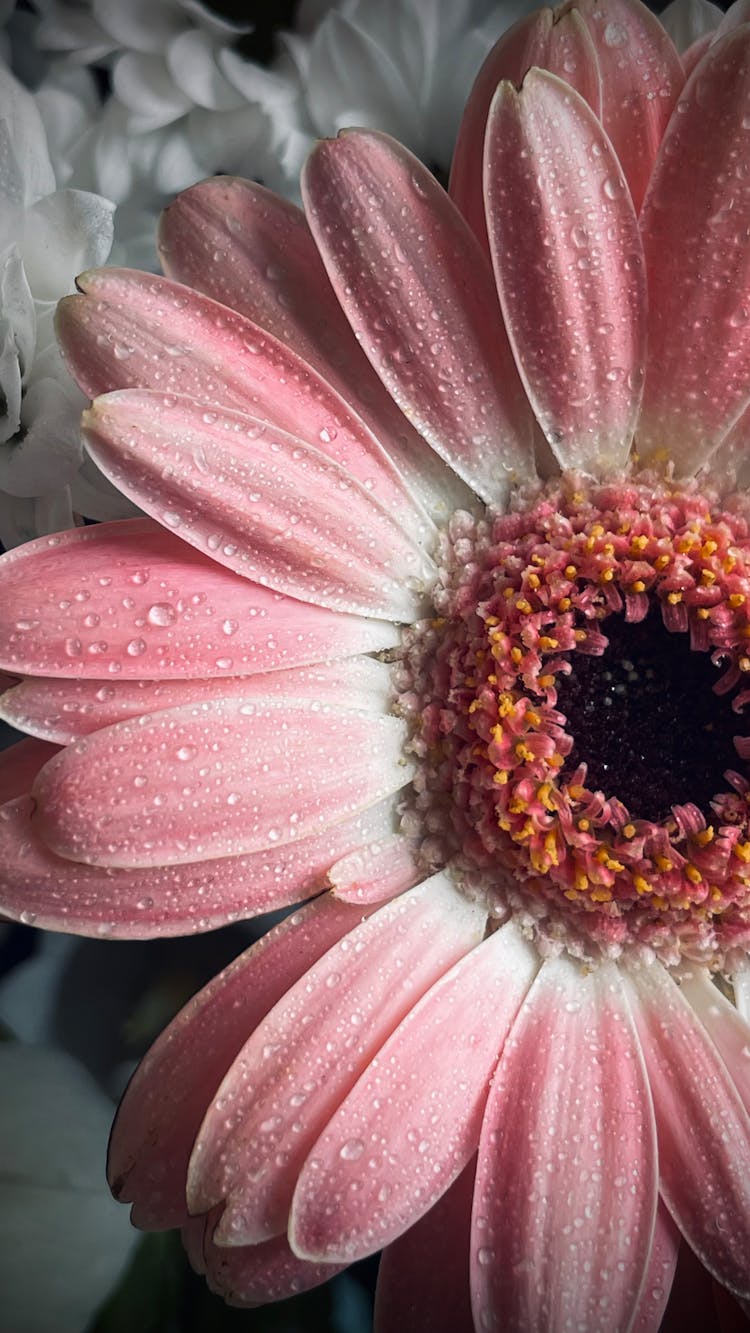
{"x":305,"y":1057}
{"x":215,"y":779}
{"x":133,"y":329}
{"x":576,"y":321}
{"x":375,"y":872}
{"x":548,"y":39}
{"x":257,"y":1274}
{"x":259,"y":501}
{"x":252,"y":250}
{"x":19,"y":765}
{"x":703,"y":1129}
{"x":42,"y":889}
{"x":418,"y":293}
{"x":65,"y":710}
{"x":423,"y":1277}
{"x":696,"y":52}
{"x":129,"y":600}
{"x":659,"y":1275}
{"x":415,"y":1113}
{"x":566,"y":1179}
{"x":695,"y":223}
{"x":728,"y":1030}
{"x":165,"y":1101}
{"x":641,"y":75}
{"x":741,"y":985}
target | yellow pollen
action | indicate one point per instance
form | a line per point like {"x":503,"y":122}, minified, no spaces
{"x":584,"y":825}
{"x":516,"y":655}
{"x":674,"y":597}
{"x":629,"y":831}
{"x":662,"y":561}
{"x":524,"y":752}
{"x":703,"y":613}
{"x":505,"y":706}
{"x":543,"y":795}
{"x":664,"y":864}
{"x":555,"y":761}
{"x":608,"y":549}
{"x":564,"y":604}
{"x":742,"y":851}
{"x":523,"y":606}
{"x":491,"y":621}
{"x":639,"y":543}
{"x":548,"y":644}
{"x":533,"y":719}
{"x":607,"y":575}
{"x":705,"y":836}
{"x":501,"y":777}
{"x":533,"y":581}
{"x":736,"y":599}
{"x":571,"y":572}
{"x":579,"y":635}
{"x":581,"y":880}
{"x":708,"y":577}
{"x":576,"y":793}
{"x":639,"y":586}
{"x":546,"y":681}
{"x":708,"y":548}
{"x":693,"y":873}
{"x":641,"y":885}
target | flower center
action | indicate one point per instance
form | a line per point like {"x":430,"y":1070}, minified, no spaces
{"x":645,"y":720}
{"x":575,"y":704}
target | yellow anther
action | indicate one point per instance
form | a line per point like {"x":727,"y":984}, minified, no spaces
{"x":703,"y":613}
{"x":518,"y":806}
{"x":505,"y":705}
{"x":658,"y":902}
{"x":664,"y":864}
{"x":742,"y":851}
{"x":516,"y":655}
{"x":571,"y":894}
{"x":581,"y":880}
{"x":674,"y":597}
{"x":533,"y":581}
{"x":491,"y":620}
{"x":736,"y":599}
{"x":576,"y":793}
{"x":638,"y":586}
{"x":523,"y":606}
{"x":474,"y":705}
{"x":546,"y":681}
{"x":707,"y":577}
{"x":523,"y":752}
{"x":708,"y":548}
{"x":608,"y":549}
{"x":508,"y":593}
{"x":555,"y":761}
{"x":641,"y":885}
{"x":662,"y":561}
{"x":601,"y":895}
{"x":629,"y":831}
{"x":693,"y":873}
{"x":564,"y":604}
{"x":579,"y":635}
{"x":548,"y":644}
{"x":543,"y":794}
{"x":639,"y":543}
{"x":534,"y":719}
{"x":607,"y":575}
{"x":501,"y":777}
{"x":571,"y":572}
{"x":705,"y":836}
{"x":584,"y":825}
{"x":537,"y":559}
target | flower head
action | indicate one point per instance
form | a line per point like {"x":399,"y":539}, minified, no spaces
{"x":450,"y":617}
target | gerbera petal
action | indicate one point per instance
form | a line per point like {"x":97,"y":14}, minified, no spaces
{"x":42,"y":889}
{"x":727,"y":1029}
{"x":547,"y":39}
{"x":256,"y":1274}
{"x":641,"y":75}
{"x":63,"y":711}
{"x":261,"y":502}
{"x":659,"y":1275}
{"x":133,"y":329}
{"x":415,"y":286}
{"x":252,"y":250}
{"x":132,"y":601}
{"x":577,"y":321}
{"x":215,"y":779}
{"x":566,"y":1179}
{"x":377,"y":871}
{"x":415,"y":1119}
{"x":305,"y":1057}
{"x":741,"y":984}
{"x":703,"y":1129}
{"x":695,"y":222}
{"x":165,"y":1101}
{"x":423,"y":1277}
{"x":19,"y":765}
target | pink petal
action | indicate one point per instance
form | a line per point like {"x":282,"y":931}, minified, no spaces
{"x":131,"y":601}
{"x":566,"y":1179}
{"x":423,"y":1278}
{"x":417,"y":291}
{"x":215,"y":779}
{"x":257,"y":1274}
{"x":133,"y":329}
{"x":569,"y":269}
{"x":252,"y":250}
{"x":728,"y":1030}
{"x":659,"y":1275}
{"x":19,"y":765}
{"x":703,"y":1130}
{"x":416,"y":1111}
{"x":259,"y":502}
{"x":375,"y":872}
{"x":305,"y":1057}
{"x":42,"y":889}
{"x":642,"y":77}
{"x":548,"y":39}
{"x":695,"y":223}
{"x":165,"y":1101}
{"x":65,"y":710}
{"x":696,"y":52}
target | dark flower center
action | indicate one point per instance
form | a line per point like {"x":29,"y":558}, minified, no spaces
{"x":645,"y":719}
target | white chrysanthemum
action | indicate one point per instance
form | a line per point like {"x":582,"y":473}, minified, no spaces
{"x":687,"y":20}
{"x":47,"y":235}
{"x":385,"y":64}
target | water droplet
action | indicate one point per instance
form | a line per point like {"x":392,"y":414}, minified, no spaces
{"x":136,"y":647}
{"x":162,"y":613}
{"x":351,"y":1150}
{"x":186,"y":752}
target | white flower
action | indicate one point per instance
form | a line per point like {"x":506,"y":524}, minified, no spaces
{"x":687,"y":20}
{"x":47,"y":236}
{"x":57,"y":1219}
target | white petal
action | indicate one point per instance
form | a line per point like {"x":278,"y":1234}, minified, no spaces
{"x":144,"y":85}
{"x":65,"y":233}
{"x":191,"y":60}
{"x":26,"y":135}
{"x":687,"y":20}
{"x":50,"y":452}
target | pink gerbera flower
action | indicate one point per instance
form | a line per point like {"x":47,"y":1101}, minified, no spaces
{"x":442,"y":604}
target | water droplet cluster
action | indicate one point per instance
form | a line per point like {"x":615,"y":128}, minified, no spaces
{"x":503,"y":791}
